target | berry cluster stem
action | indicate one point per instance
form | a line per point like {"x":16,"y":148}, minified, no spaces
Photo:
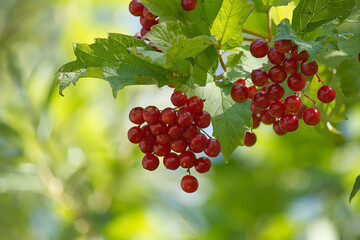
{"x":320,"y":79}
{"x":299,"y":92}
{"x":205,"y":133}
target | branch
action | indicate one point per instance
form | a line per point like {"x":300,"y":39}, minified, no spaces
{"x":221,"y":61}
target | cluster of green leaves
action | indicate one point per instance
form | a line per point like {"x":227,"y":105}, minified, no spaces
{"x":191,"y":44}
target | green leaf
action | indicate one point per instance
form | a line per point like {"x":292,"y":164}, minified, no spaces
{"x":265,"y":5}
{"x":227,"y":26}
{"x":111,"y":59}
{"x":310,"y":14}
{"x":355,"y":189}
{"x":205,"y":65}
{"x":349,"y":74}
{"x":230,"y":120}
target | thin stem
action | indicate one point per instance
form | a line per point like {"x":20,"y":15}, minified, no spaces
{"x":221,"y":61}
{"x":320,"y":79}
{"x":299,"y":92}
{"x":269,"y":24}
{"x":254,"y":33}
{"x":218,"y":77}
{"x":205,"y":133}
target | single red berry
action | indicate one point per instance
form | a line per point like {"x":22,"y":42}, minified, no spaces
{"x":252,"y":91}
{"x":212,"y":148}
{"x":190,"y":131}
{"x":168,"y":116}
{"x":326,"y":94}
{"x":161,"y":149}
{"x":179,"y":145}
{"x":299,"y":114}
{"x":240,"y":81}
{"x":146,"y":146}
{"x":163,"y":138}
{"x":296,"y":82}
{"x":175,"y":131}
{"x":148,"y":15}
{"x":250,"y":139}
{"x":275,"y":92}
{"x":277,"y":74}
{"x":146,"y":23}
{"x":136,"y":8}
{"x":311,"y":116}
{"x":293,"y":103}
{"x":202,"y":165}
{"x":239,"y":93}
{"x":178,"y":99}
{"x":300,"y":57}
{"x":255,"y":121}
{"x":289,"y":123}
{"x":135,"y":135}
{"x":150,"y":162}
{"x":283,"y":46}
{"x":188,"y":5}
{"x":266,"y":117}
{"x":202,"y":120}
{"x":189,"y":184}
{"x":290,"y":65}
{"x":309,"y":69}
{"x":259,"y":77}
{"x":277,"y":109}
{"x":259,"y":48}
{"x":187,"y":159}
{"x":158,"y":128}
{"x":151,"y":114}
{"x":171,"y":161}
{"x":135,"y":115}
{"x":185,"y":118}
{"x":275,"y":57}
{"x":277,"y":129}
{"x":195,"y":105}
{"x":143,"y":31}
{"x":198,"y":142}
{"x":261,"y":100}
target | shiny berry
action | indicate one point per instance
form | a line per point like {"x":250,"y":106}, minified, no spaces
{"x":136,"y":8}
{"x":171,"y":161}
{"x":168,"y":116}
{"x":175,"y":131}
{"x":146,"y":23}
{"x":326,"y":94}
{"x":277,"y":109}
{"x":135,"y":135}
{"x":311,"y":116}
{"x":188,"y":5}
{"x":277,"y":129}
{"x":148,"y":15}
{"x":161,"y":149}
{"x":290,"y":65}
{"x":261,"y":100}
{"x":198,"y":142}
{"x":289,"y":123}
{"x":158,"y":128}
{"x":266,"y":117}
{"x":146,"y":146}
{"x":163,"y":138}
{"x":299,"y":114}
{"x":259,"y":77}
{"x":184,"y":119}
{"x":275,"y":92}
{"x":189,"y":184}
{"x":150,"y":162}
{"x":135,"y":115}
{"x":187,"y":159}
{"x":293,"y":103}
{"x":195,"y":105}
{"x":275,"y":57}
{"x":250,"y":139}
{"x":179,"y":145}
{"x":143,"y":31}
{"x":202,"y":120}
{"x":239,"y":93}
{"x":300,"y":57}
{"x":151,"y":114}
{"x":202,"y":165}
{"x":252,"y":91}
{"x":259,"y":48}
{"x":283,"y":46}
{"x":309,"y":69}
{"x":190,"y":131}
{"x":178,"y":99}
{"x":212,"y":148}
{"x":296,"y":82}
{"x":277,"y":74}
{"x":255,"y":121}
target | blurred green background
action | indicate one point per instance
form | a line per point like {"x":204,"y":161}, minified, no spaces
{"x":67,"y":170}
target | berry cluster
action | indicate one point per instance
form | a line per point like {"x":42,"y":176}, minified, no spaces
{"x":268,"y":103}
{"x":172,"y":131}
{"x":147,"y":19}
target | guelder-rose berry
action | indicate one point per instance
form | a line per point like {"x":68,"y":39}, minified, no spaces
{"x":277,"y":129}
{"x":261,"y":100}
{"x":187,"y":159}
{"x":256,"y":121}
{"x":311,"y":116}
{"x":326,"y":94}
{"x":239,"y":93}
{"x":275,"y":92}
{"x":309,"y":69}
{"x":150,"y":162}
{"x":161,"y":149}
{"x":296,"y":82}
{"x":283,"y":46}
{"x":146,"y":23}
{"x":259,"y":77}
{"x":135,"y":135}
{"x":195,"y":105}
{"x":277,"y":74}
{"x":168,"y":116}
{"x":202,"y":165}
{"x":189,"y":184}
{"x":198,"y":142}
{"x":178,"y":99}
{"x":179,"y":145}
{"x":289,"y":123}
{"x":151,"y":114}
{"x":135,"y":115}
{"x":158,"y":127}
{"x":275,"y":57}
{"x":136,"y":8}
{"x":171,"y":161}
{"x":148,"y":15}
{"x":259,"y":48}
{"x":277,"y":109}
{"x":293,"y":103}
{"x":290,"y":65}
{"x":190,"y":131}
{"x":250,"y":139}
{"x":175,"y":131}
{"x":202,"y":120}
{"x":212,"y":148}
{"x":184,"y":119}
{"x":300,"y":57}
{"x":266,"y":117}
{"x":188,"y":5}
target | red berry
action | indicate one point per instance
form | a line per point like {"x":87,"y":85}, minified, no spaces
{"x":146,"y":147}
{"x":275,"y":92}
{"x":178,"y":145}
{"x":296,"y":82}
{"x":135,"y":115}
{"x":239,"y":93}
{"x":299,"y":114}
{"x":277,"y":109}
{"x":212,"y":148}
{"x":326,"y":94}
{"x":195,"y":105}
{"x":266,"y":118}
{"x":143,"y":31}
{"x":175,"y":131}
{"x":252,"y":91}
{"x":151,"y":114}
{"x":171,"y":85}
{"x":163,"y":138}
{"x":161,"y":149}
{"x":254,"y":109}
{"x":188,"y":5}
{"x":250,"y":139}
{"x":178,"y":99}
{"x":275,"y":57}
{"x":290,"y":65}
{"x":283,"y":46}
{"x":277,"y":74}
{"x":135,"y":135}
{"x":277,"y":129}
{"x":289,"y":123}
{"x":202,"y":120}
{"x":293,"y":103}
{"x":240,"y":81}
{"x":158,"y":128}
{"x":171,"y":161}
{"x":149,"y":137}
{"x":261,"y":100}
{"x":185,"y":118}
{"x":190,"y":131}
{"x":259,"y":77}
{"x":202,"y":165}
{"x":256,"y":121}
{"x":300,"y":57}
{"x":311,"y":116}
{"x":150,"y":162}
{"x":198,"y":142}
{"x":146,"y":23}
{"x":168,"y":116}
{"x":259,"y":48}
{"x":189,"y":184}
{"x":136,"y":8}
{"x":148,"y":15}
{"x":187,"y":159}
{"x":309,"y":69}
